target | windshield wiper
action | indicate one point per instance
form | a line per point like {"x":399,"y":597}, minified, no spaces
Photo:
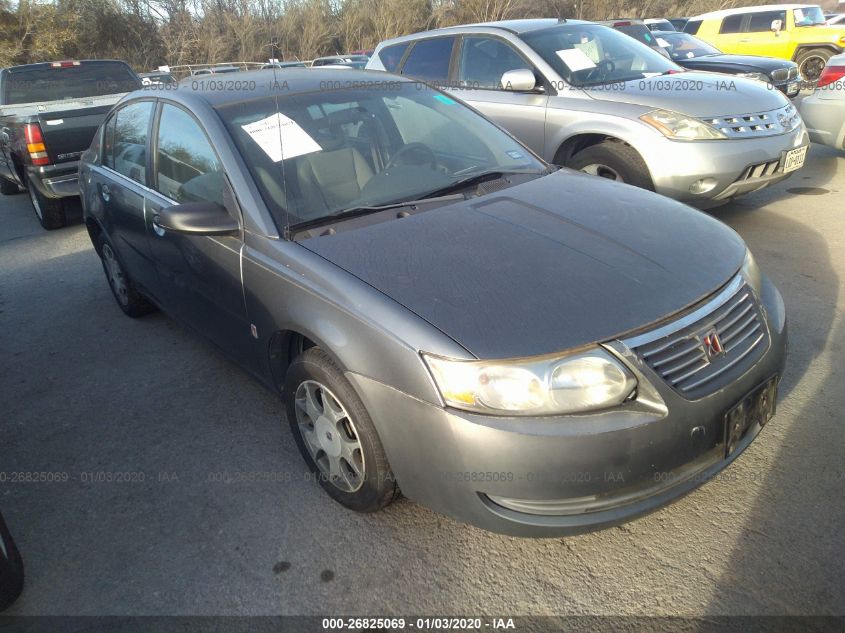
{"x":354,"y":212}
{"x":483,"y":176}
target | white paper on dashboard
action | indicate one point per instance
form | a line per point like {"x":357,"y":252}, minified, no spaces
{"x":663,"y":43}
{"x":575,"y":59}
{"x":281,"y":137}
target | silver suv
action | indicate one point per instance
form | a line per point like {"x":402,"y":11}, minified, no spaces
{"x":587,"y":97}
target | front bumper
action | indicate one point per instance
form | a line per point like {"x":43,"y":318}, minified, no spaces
{"x":825,"y":119}
{"x":676,"y":166}
{"x":56,"y":181}
{"x":590,"y":471}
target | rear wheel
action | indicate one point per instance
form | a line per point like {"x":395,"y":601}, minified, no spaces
{"x":50,"y":211}
{"x":335,"y":434}
{"x":132,"y":302}
{"x":8,"y":188}
{"x":613,"y":160}
{"x":811,"y":62}
{"x":11,"y":568}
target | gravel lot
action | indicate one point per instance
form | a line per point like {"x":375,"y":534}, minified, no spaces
{"x":85,"y":390}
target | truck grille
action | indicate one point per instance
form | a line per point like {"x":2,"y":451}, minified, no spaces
{"x":701,"y":357}
{"x":770,"y":123}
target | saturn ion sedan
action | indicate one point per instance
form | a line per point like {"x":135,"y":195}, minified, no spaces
{"x":530,"y":350}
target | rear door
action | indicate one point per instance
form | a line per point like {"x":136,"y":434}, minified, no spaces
{"x":481,"y":62}
{"x":120,"y":185}
{"x":200,"y":275}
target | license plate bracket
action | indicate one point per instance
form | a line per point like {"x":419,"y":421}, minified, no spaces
{"x":756,"y":407}
{"x":794,"y":159}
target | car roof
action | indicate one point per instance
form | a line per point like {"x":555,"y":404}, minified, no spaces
{"x":284,"y":82}
{"x":763,"y":7}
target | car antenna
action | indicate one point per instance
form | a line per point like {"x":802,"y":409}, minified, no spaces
{"x":286,"y":229}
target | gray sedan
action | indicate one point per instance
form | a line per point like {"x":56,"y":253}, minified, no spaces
{"x":443,"y":313}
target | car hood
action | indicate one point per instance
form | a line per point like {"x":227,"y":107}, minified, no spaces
{"x":697,"y":94}
{"x":551,"y":264}
{"x":734,"y":63}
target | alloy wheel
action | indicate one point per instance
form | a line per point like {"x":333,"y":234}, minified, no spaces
{"x":330,"y":435}
{"x":812,"y":67}
{"x":115,"y":275}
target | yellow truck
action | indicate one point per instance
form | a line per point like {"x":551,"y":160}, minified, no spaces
{"x":788,"y":31}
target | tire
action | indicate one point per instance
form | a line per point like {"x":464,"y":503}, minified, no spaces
{"x":342,"y":449}
{"x":132,"y":302}
{"x":11,"y":568}
{"x":811,"y":62}
{"x":8,"y":188}
{"x":50,"y":211}
{"x":613,"y":160}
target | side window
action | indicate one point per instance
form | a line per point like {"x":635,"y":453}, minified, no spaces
{"x":762,"y":22}
{"x":187,"y":169}
{"x":129,"y":149}
{"x":390,"y":56}
{"x":484,"y":60}
{"x":429,"y":59}
{"x":107,"y":149}
{"x":732,"y":24}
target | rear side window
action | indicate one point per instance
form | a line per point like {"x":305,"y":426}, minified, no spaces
{"x":390,"y":56}
{"x":429,"y":59}
{"x":692,"y":27}
{"x":88,"y":79}
{"x":187,"y":169}
{"x":762,"y":22}
{"x":130,"y":140}
{"x":732,"y":24}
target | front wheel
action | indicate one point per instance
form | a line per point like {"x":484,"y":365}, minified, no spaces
{"x":50,"y":211}
{"x":132,"y":302}
{"x":613,"y":160}
{"x":335,"y":434}
{"x":11,"y":568}
{"x":811,"y":62}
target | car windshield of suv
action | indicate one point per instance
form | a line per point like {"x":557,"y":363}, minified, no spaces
{"x":682,"y":46}
{"x":808,"y":16}
{"x":314,"y":155}
{"x":85,"y":79}
{"x":591,"y":54}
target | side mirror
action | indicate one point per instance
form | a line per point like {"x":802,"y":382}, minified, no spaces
{"x":777,"y":26}
{"x":519,"y":80}
{"x":196,"y":218}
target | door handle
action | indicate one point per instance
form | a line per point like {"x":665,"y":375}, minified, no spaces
{"x":105,"y":192}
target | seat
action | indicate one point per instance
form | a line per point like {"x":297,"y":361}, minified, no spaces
{"x":330,"y":179}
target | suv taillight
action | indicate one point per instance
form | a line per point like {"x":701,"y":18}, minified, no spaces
{"x":35,"y":144}
{"x":831,"y":74}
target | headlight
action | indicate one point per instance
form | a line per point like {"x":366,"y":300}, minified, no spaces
{"x":758,"y":76}
{"x":681,"y":127}
{"x":751,"y":273}
{"x":533,"y":386}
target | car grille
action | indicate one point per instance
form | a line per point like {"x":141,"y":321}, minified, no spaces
{"x":770,"y":123}
{"x":785,"y":74}
{"x":692,"y":368}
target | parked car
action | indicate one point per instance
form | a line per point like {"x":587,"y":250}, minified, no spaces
{"x":638,"y":30}
{"x":659,"y":24}
{"x":787,"y":31}
{"x":284,"y":65}
{"x":354,"y":61}
{"x":695,"y":54}
{"x":587,"y":97}
{"x":48,"y":115}
{"x":346,"y":247}
{"x":216,"y":70}
{"x":824,"y":110}
{"x":11,"y":568}
{"x":157,"y":78}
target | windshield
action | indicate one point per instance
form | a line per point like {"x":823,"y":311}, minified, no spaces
{"x":685,"y":46}
{"x":808,"y":16}
{"x":591,"y":54}
{"x":87,"y":79}
{"x":321,"y":153}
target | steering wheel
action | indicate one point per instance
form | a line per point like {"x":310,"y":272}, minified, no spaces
{"x":604,"y":67}
{"x":415,"y":149}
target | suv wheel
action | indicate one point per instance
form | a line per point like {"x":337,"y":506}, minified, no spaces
{"x":50,"y":211}
{"x":11,"y":568}
{"x":613,"y":160}
{"x":335,"y":434}
{"x":132,"y":302}
{"x":811,"y":62}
